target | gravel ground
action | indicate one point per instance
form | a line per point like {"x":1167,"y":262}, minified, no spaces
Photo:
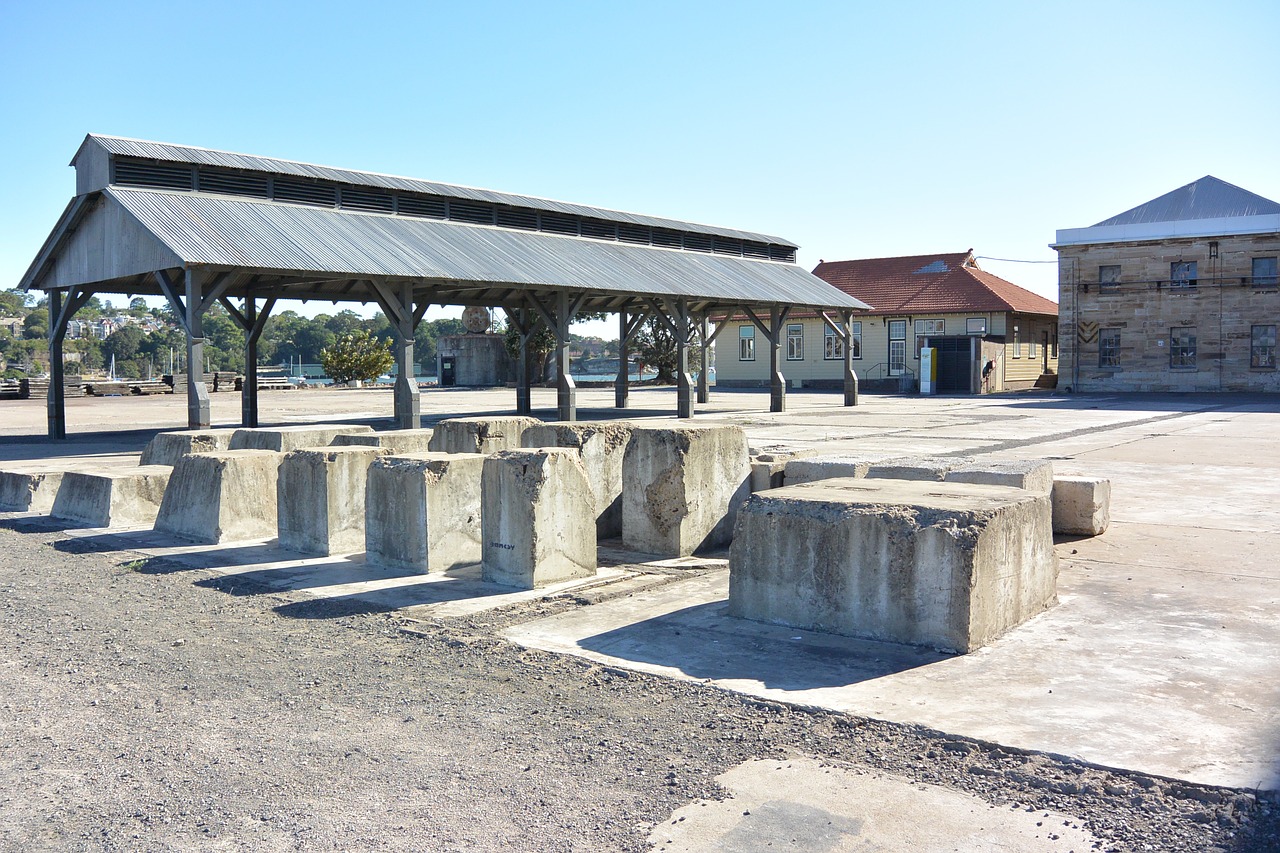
{"x":149,"y":707}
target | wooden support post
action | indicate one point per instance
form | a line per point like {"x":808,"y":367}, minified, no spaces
{"x":57,"y":403}
{"x":525,"y":325}
{"x":850,"y":376}
{"x":566,"y":389}
{"x":251,"y":321}
{"x":704,"y":345}
{"x":777,"y":382}
{"x":198,"y":410}
{"x":684,"y":382}
{"x":408,"y":400}
{"x":622,"y":384}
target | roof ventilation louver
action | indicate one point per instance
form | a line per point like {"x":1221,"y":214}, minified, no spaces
{"x":782,"y":253}
{"x":305,"y":192}
{"x":753,"y":249}
{"x":726,"y":246}
{"x":638,"y":234}
{"x":697,"y":242}
{"x":477,"y":213}
{"x":518,"y":217}
{"x":599,"y":229}
{"x":233,"y":183}
{"x":559,"y":223}
{"x":666,"y":238}
{"x":375,"y":202}
{"x":430,"y":208}
{"x":135,"y":173}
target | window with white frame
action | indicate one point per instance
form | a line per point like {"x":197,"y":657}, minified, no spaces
{"x":833,"y":346}
{"x":1262,"y":347}
{"x":795,"y":342}
{"x":927,"y":329}
{"x":1182,"y":348}
{"x":746,"y":343}
{"x":1265,"y":273}
{"x":1182,"y":274}
{"x":975,"y":326}
{"x":897,"y":347}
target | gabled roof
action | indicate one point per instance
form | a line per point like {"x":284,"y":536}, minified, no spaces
{"x":930,"y":284}
{"x":1207,"y":198}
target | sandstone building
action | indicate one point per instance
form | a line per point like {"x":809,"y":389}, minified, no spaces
{"x":1178,"y":294}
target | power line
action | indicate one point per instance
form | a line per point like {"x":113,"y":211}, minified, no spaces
{"x":1011,"y":260}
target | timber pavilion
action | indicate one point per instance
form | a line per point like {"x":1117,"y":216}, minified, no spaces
{"x":198,"y":226}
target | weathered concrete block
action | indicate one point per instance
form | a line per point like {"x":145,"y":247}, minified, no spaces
{"x":28,"y":490}
{"x":480,"y":435}
{"x":682,"y":486}
{"x":1035,"y":475}
{"x":224,"y":496}
{"x":287,"y":438}
{"x":397,"y":441}
{"x":168,"y":447}
{"x":1081,"y":505}
{"x":769,"y":465}
{"x":422,"y":511}
{"x":945,"y":565}
{"x":537,"y":518}
{"x":916,"y":468}
{"x":320,"y":496}
{"x":813,"y":468}
{"x":601,"y":447}
{"x":115,"y":497}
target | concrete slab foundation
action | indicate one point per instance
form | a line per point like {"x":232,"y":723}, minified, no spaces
{"x":225,"y":496}
{"x":538,"y":518}
{"x":950,"y":566}
{"x":1035,"y":475}
{"x":1081,"y":505}
{"x":682,"y":486}
{"x":480,"y":435}
{"x":601,"y":446}
{"x":29,"y":490}
{"x":168,"y":447}
{"x":397,"y":441}
{"x":422,"y":511}
{"x":118,"y":497}
{"x":287,"y":438}
{"x":320,"y":498}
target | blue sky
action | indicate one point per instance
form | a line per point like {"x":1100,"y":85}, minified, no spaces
{"x":854,"y":129}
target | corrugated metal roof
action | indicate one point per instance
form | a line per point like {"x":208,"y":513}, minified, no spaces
{"x":1207,"y":198}
{"x":223,"y":231}
{"x":208,"y":157}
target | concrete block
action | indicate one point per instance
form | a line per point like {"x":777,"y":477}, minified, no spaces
{"x":28,"y":490}
{"x":287,"y":438}
{"x":480,"y":435}
{"x":114,"y":497}
{"x":1035,"y":475}
{"x":1081,"y":505}
{"x":813,"y":468}
{"x":168,"y":447}
{"x":769,"y":465}
{"x":225,"y":496}
{"x":601,"y":446}
{"x":945,"y":565}
{"x":397,"y":441}
{"x":916,"y":468}
{"x":422,"y":511}
{"x":682,"y":486}
{"x":537,"y":518}
{"x":320,"y":496}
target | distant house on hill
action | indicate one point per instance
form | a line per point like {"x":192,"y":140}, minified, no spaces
{"x":991,"y":335}
{"x":1181,"y":293}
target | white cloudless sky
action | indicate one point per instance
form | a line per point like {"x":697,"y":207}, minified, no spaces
{"x":854,"y":129}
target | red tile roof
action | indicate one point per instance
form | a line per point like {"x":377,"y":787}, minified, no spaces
{"x":930,"y":284}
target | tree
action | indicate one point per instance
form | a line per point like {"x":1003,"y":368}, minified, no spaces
{"x":13,"y":303}
{"x":35,"y":326}
{"x":655,"y":346}
{"x":123,"y":344}
{"x":357,"y":356}
{"x":541,"y":343}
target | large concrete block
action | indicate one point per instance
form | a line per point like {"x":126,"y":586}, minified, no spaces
{"x":28,"y":490}
{"x":944,"y":565}
{"x":168,"y":447}
{"x":682,"y":486}
{"x":397,"y":441}
{"x":115,"y":497}
{"x":320,"y":495}
{"x":287,"y":438}
{"x":225,"y":496}
{"x":1034,"y":475}
{"x":1081,"y":505}
{"x":422,"y":511}
{"x":602,"y":447}
{"x":538,"y":518}
{"x":916,"y":468}
{"x":769,"y":466}
{"x":480,"y":435}
{"x":813,"y":468}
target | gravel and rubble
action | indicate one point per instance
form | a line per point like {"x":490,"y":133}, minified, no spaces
{"x":147,"y":706}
